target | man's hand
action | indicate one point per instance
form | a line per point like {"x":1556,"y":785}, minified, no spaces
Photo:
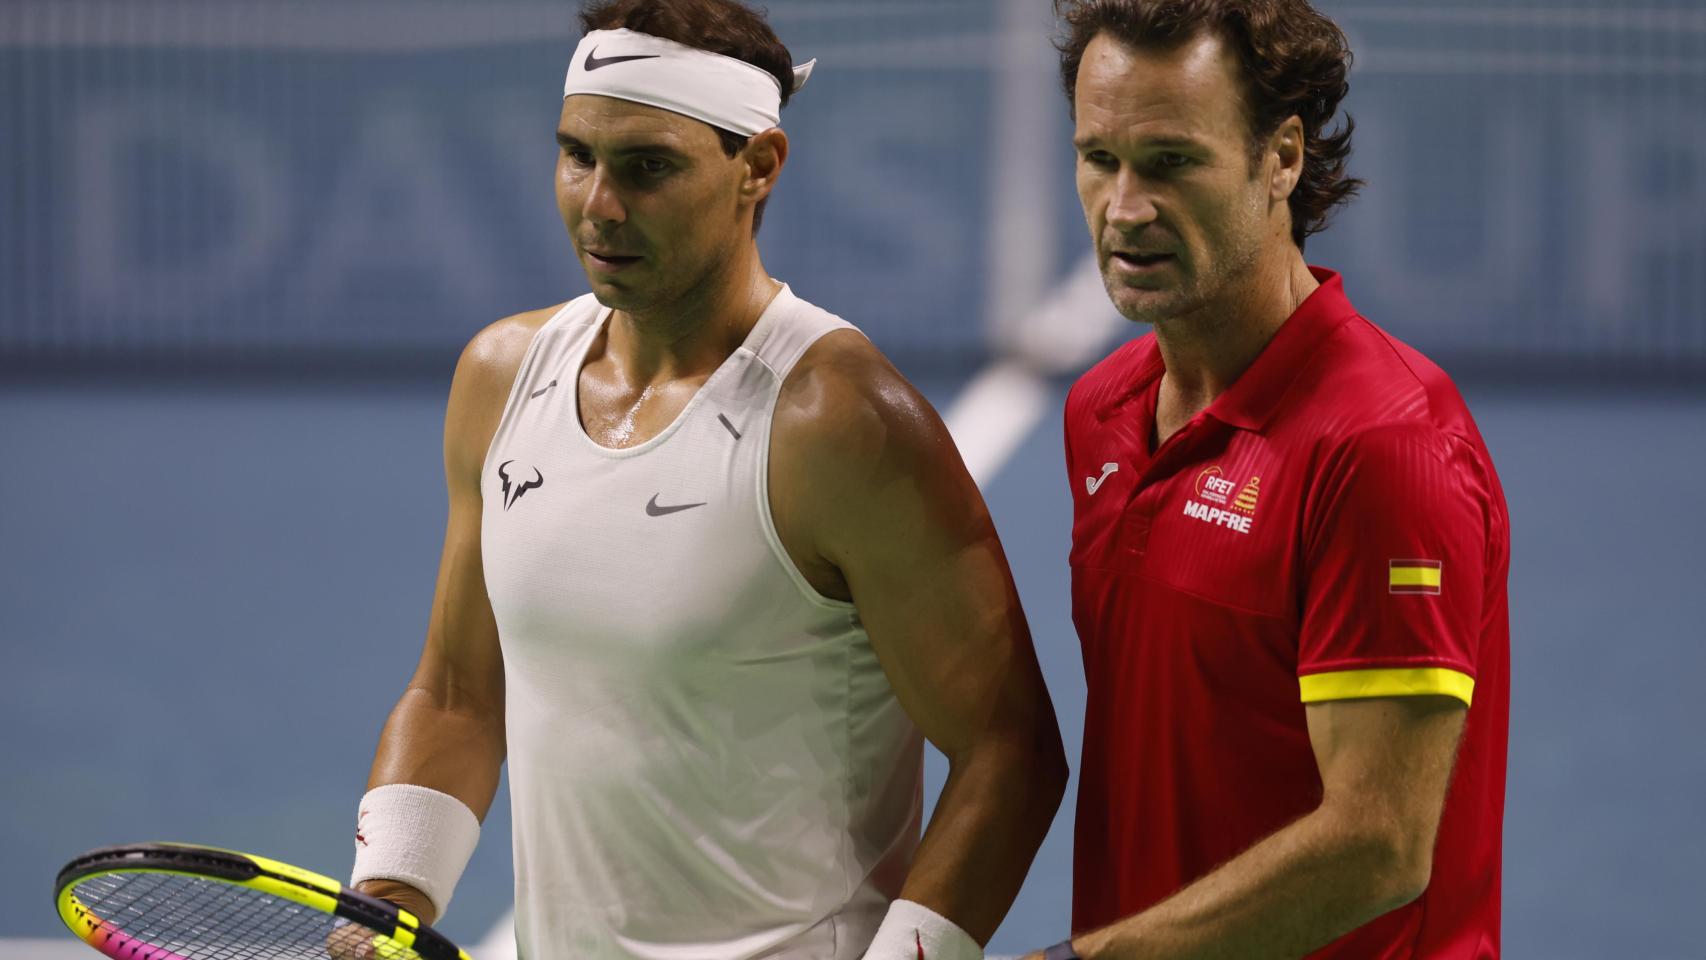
{"x":403,"y":896}
{"x":354,"y":941}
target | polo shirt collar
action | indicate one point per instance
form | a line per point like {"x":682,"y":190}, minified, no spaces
{"x":1257,"y":393}
{"x":1253,"y":397}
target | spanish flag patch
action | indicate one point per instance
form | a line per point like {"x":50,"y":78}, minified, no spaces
{"x":1413,"y":576}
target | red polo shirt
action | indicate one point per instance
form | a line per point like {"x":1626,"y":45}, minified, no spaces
{"x":1331,"y":527}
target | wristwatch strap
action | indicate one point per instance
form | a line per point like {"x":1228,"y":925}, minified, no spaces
{"x":1061,"y":951}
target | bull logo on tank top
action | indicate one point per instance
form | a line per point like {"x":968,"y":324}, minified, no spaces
{"x":513,"y":487}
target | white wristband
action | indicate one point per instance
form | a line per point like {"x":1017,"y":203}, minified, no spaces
{"x":416,"y":835}
{"x":911,"y":930}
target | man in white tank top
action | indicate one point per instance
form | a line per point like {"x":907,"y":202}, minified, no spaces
{"x":713,"y":569}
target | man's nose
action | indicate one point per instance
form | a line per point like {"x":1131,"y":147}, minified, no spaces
{"x":602,"y":202}
{"x":1129,"y":203}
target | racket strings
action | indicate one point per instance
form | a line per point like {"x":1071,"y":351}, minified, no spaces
{"x":201,"y":919}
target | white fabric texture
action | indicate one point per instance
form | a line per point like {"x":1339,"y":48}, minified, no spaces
{"x":912,"y":930}
{"x":415,"y":834}
{"x":638,"y":67}
{"x":706,"y":760}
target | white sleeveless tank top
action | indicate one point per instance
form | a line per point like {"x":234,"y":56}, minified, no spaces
{"x":706,"y":761}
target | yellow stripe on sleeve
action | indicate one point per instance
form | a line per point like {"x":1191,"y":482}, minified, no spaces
{"x":1415,"y":576}
{"x":1409,"y":682}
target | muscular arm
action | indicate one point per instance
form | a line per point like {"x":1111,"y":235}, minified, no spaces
{"x":873,"y":502}
{"x":447,"y":730}
{"x":1368,"y":848}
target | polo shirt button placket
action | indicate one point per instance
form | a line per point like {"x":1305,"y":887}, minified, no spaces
{"x":1136,"y":520}
{"x":1150,"y":489}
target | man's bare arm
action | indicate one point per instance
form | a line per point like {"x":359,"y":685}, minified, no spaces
{"x":866,"y":482}
{"x":1385,"y":765}
{"x":447,"y":730}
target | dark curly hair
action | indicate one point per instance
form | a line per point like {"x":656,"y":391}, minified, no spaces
{"x":728,"y":27}
{"x":1293,"y":60}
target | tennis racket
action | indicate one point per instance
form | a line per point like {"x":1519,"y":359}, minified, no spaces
{"x":171,"y":901}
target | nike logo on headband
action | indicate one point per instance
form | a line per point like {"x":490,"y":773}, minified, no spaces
{"x":593,"y":61}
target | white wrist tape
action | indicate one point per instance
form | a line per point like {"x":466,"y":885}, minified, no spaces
{"x":416,"y":835}
{"x":911,"y":930}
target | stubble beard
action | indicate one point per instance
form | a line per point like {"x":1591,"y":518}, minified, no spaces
{"x":667,"y":294}
{"x":1199,"y":289}
{"x":1147,"y":305}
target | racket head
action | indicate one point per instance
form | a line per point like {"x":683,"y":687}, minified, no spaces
{"x":175,"y":901}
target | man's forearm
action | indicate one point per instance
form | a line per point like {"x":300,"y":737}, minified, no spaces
{"x":1299,"y":889}
{"x":451,"y":746}
{"x":994,"y":811}
{"x":447,"y":743}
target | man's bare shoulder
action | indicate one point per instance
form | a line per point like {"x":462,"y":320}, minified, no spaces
{"x":484,"y":375}
{"x":494,"y":354}
{"x":859,"y":460}
{"x":844,"y":403}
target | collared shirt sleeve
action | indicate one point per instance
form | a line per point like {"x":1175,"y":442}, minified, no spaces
{"x":1395,"y":554}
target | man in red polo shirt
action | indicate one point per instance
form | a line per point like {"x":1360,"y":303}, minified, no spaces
{"x":1290,"y":546}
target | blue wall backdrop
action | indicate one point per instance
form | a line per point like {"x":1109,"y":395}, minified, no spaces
{"x":242,"y":241}
{"x":300,"y":184}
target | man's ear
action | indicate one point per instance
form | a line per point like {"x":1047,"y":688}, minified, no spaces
{"x":764,"y":155}
{"x":1285,"y":145}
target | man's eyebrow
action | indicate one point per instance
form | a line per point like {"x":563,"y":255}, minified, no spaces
{"x":1164,"y":142}
{"x":570,"y":141}
{"x":1175,"y":141}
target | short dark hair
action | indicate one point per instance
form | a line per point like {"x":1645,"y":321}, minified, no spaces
{"x":1293,"y":61}
{"x":728,"y":27}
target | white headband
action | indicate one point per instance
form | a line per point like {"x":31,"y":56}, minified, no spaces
{"x":722,"y":91}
